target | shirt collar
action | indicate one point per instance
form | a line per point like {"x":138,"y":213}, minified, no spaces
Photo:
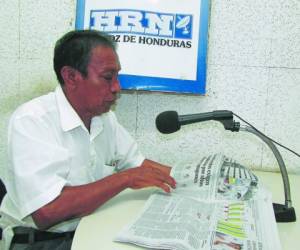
{"x":69,"y":119}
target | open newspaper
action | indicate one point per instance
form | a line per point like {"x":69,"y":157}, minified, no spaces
{"x":218,"y":204}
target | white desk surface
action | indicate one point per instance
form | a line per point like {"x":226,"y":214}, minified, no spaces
{"x":97,"y":230}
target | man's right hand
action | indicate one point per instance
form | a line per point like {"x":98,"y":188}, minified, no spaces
{"x":147,"y":176}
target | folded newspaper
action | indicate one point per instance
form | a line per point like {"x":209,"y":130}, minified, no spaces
{"x":218,"y":204}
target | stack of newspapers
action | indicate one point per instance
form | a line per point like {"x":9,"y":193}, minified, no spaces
{"x":218,"y":204}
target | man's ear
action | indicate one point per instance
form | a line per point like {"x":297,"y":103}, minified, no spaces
{"x":70,"y":76}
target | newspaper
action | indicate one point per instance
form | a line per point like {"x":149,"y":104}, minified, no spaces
{"x":218,"y":204}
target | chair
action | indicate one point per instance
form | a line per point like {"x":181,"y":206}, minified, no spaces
{"x":2,"y":193}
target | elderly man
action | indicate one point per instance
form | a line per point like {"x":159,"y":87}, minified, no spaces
{"x":68,"y":154}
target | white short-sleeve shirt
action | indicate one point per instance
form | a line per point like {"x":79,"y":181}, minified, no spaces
{"x":49,"y":148}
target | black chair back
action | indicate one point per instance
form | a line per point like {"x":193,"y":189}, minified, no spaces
{"x":2,"y":190}
{"x":2,"y":193}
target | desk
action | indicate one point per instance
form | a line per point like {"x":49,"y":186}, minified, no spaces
{"x":97,"y":230}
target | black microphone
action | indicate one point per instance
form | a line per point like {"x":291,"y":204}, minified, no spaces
{"x":169,"y":121}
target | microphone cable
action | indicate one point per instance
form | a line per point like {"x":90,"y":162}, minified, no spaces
{"x":279,"y":144}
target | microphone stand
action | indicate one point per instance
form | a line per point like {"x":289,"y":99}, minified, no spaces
{"x":171,"y":121}
{"x":283,"y":212}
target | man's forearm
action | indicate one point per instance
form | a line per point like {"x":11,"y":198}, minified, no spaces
{"x":79,"y":201}
{"x":74,"y":202}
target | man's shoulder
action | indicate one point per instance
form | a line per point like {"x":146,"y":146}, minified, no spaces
{"x":37,"y":107}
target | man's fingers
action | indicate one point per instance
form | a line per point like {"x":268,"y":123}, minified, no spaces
{"x":165,"y":178}
{"x":163,"y":186}
{"x":152,"y":183}
{"x":163,"y":181}
{"x":171,"y":181}
{"x":148,"y":176}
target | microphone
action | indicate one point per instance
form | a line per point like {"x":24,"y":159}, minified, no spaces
{"x":169,"y":122}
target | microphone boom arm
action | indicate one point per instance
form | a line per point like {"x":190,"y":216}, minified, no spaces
{"x":286,"y":212}
{"x":283,"y":212}
{"x":223,"y":116}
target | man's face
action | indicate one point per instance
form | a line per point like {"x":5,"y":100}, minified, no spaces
{"x":98,"y":90}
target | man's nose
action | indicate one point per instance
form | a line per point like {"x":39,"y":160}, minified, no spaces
{"x":115,"y":87}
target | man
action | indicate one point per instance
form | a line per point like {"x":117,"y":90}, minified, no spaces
{"x":68,"y":154}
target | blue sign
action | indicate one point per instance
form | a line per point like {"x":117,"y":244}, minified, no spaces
{"x":162,"y":47}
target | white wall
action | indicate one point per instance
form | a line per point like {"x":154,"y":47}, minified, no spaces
{"x":253,"y":70}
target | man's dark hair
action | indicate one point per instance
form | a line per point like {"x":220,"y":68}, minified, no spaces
{"x":74,"y":50}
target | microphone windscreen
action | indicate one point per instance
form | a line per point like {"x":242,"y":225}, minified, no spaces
{"x":167,"y":122}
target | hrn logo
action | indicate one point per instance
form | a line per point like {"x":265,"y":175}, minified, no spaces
{"x":142,"y":22}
